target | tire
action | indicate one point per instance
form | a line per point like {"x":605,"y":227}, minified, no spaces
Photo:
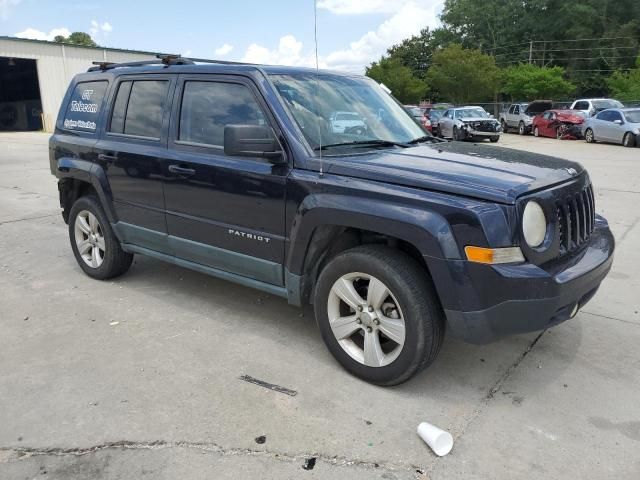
{"x":522,"y":130}
{"x":96,"y":248}
{"x":589,"y":136}
{"x":536,"y":132}
{"x":505,"y":127}
{"x":629,"y":140}
{"x":412,"y":302}
{"x":457,"y":135}
{"x":494,"y":139}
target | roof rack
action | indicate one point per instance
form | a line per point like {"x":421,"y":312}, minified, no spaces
{"x":166,"y":60}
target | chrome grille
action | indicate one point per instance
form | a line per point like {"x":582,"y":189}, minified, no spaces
{"x":576,"y":219}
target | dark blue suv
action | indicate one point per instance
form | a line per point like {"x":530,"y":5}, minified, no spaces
{"x":393,"y":236}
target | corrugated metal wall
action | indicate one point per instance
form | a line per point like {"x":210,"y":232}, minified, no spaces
{"x":57,"y":64}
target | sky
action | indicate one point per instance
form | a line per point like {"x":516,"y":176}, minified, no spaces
{"x":351,"y":33}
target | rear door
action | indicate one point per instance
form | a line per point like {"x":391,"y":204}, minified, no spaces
{"x":224,"y":212}
{"x":131,"y":152}
{"x":617,"y":130}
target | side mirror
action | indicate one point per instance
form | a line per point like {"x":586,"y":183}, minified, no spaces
{"x":252,"y":141}
{"x":618,"y":122}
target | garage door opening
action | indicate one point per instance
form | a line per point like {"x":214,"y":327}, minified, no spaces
{"x":20,"y":103}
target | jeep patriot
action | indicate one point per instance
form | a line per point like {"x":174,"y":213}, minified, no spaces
{"x":393,"y":236}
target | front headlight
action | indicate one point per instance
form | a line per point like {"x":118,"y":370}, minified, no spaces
{"x":534,"y":224}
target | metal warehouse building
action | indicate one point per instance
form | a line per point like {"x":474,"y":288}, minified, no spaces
{"x":34,"y":76}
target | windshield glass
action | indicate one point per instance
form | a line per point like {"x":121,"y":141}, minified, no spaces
{"x":436,"y":114}
{"x":471,"y":113}
{"x":415,"y":111}
{"x":370,"y":114}
{"x":632,"y":116}
{"x":602,"y":104}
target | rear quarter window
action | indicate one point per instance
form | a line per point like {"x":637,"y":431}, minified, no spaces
{"x":85,"y":106}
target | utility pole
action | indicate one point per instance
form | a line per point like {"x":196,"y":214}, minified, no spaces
{"x":530,"y":51}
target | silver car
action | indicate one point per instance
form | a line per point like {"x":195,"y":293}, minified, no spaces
{"x":615,"y":125}
{"x":469,"y":123}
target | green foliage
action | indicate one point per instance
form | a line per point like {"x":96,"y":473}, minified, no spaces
{"x":530,"y":82}
{"x":463,"y":75}
{"x":403,"y":84}
{"x":625,"y":86}
{"x":76,"y":38}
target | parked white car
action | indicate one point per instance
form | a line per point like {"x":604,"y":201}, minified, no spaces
{"x":591,"y":106}
{"x":469,"y":123}
{"x":616,"y":125}
{"x":347,"y":122}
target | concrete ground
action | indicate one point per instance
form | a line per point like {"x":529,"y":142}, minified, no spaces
{"x":138,"y":377}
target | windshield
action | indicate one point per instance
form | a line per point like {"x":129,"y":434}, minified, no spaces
{"x":436,"y":114}
{"x":318,"y":105}
{"x":471,"y":113}
{"x":415,"y":111}
{"x":632,"y":116}
{"x":602,"y":104}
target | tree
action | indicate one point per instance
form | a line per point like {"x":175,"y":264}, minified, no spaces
{"x":463,"y":75}
{"x":403,"y":84}
{"x":625,"y":86}
{"x":530,"y":82}
{"x":76,"y":38}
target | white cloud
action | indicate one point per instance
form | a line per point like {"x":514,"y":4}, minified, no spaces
{"x":407,"y":18}
{"x":186,"y":53}
{"x":224,"y":50}
{"x":34,"y":34}
{"x":6,"y":6}
{"x":359,"y":7}
{"x":98,"y":29}
{"x":289,"y":52}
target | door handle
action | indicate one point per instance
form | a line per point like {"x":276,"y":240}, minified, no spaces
{"x":178,"y":170}
{"x":107,"y":158}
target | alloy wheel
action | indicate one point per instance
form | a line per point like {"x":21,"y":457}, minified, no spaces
{"x":366,"y":319}
{"x":89,"y":238}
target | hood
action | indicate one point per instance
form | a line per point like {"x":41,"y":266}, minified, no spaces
{"x":571,"y":116}
{"x":481,"y":171}
{"x":537,"y":107}
{"x":477,"y":119}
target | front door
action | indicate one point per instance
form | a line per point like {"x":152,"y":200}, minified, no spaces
{"x":131,"y":152}
{"x":224,"y":212}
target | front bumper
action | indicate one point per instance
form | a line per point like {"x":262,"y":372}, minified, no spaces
{"x":501,"y":300}
{"x":472,"y":133}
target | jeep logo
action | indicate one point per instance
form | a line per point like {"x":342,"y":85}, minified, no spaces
{"x":250,"y":236}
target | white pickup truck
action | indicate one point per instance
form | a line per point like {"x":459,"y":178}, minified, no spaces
{"x":520,"y":115}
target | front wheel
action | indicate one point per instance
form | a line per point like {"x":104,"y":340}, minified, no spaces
{"x":521,"y":128}
{"x":629,"y":140}
{"x":378,"y":314}
{"x":457,"y":134}
{"x":589,"y":136}
{"x":536,"y":132}
{"x":494,"y":139}
{"x":96,"y":248}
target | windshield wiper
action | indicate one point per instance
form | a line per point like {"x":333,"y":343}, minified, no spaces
{"x":426,"y":138}
{"x":365,"y":143}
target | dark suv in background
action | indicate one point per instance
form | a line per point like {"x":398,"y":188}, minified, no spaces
{"x":393,"y":235}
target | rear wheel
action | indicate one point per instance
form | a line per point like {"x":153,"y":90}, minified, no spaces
{"x":589,"y":136}
{"x":629,"y":140}
{"x":96,"y":248}
{"x":505,"y":127}
{"x":378,"y":314}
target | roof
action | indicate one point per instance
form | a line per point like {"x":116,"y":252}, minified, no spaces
{"x":47,"y":42}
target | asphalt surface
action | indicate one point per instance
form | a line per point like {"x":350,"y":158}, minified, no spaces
{"x":139,"y":377}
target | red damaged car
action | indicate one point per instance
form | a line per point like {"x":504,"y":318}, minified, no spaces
{"x":560,"y":124}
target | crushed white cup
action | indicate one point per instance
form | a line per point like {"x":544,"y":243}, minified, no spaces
{"x":439,"y":441}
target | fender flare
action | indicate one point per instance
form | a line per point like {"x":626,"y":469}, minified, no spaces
{"x":426,"y":230}
{"x":91,"y":173}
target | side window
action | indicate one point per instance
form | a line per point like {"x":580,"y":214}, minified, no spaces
{"x":516,"y":109}
{"x":613,"y":116}
{"x":138,"y":108}
{"x":85,"y":104}
{"x":512,"y":108}
{"x":582,"y":106}
{"x":207,"y":107}
{"x":602,"y":115}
